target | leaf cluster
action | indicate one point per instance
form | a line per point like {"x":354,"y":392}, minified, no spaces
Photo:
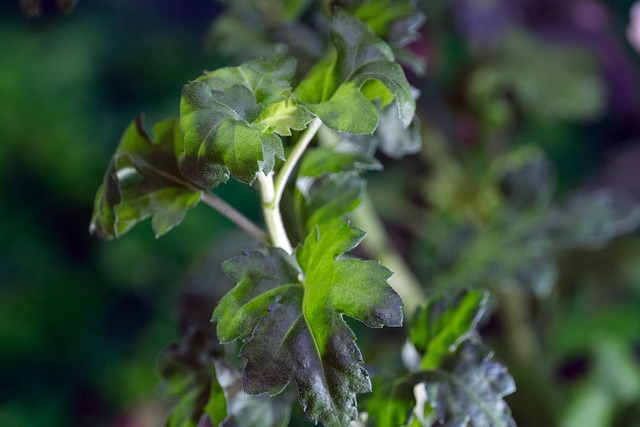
{"x":286,"y":308}
{"x":451,"y":378}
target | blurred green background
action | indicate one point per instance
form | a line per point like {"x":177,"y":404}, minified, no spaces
{"x":82,"y":321}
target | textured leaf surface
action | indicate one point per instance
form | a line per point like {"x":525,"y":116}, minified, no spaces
{"x":290,"y":308}
{"x":143,"y":180}
{"x":443,"y":323}
{"x":230,"y":118}
{"x":332,"y":89}
{"x":471,"y":392}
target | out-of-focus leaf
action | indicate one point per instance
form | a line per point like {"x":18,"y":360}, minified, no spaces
{"x":591,"y":219}
{"x":332,"y":88}
{"x":252,"y":411}
{"x":443,"y":323}
{"x":471,"y":390}
{"x":289,"y":310}
{"x":393,"y":401}
{"x":143,"y":180}
{"x":332,"y":198}
{"x":329,"y":185}
{"x":230,"y":118}
{"x":321,"y":161}
{"x":393,"y":138}
{"x":525,"y":177}
{"x":565,"y":85}
{"x":189,"y":374}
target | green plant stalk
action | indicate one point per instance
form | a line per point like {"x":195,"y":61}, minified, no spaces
{"x":216,"y":203}
{"x":518,"y":325}
{"x":271,"y":191}
{"x":378,"y":244}
{"x":294,"y":157}
{"x":271,"y":212}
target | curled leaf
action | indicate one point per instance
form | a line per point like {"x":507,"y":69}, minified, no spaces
{"x":143,"y":180}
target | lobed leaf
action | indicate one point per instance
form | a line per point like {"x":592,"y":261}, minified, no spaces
{"x":332,"y":89}
{"x":231,"y":118}
{"x":289,"y":310}
{"x":143,"y":180}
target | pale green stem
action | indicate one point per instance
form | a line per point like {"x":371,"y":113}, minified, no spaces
{"x":271,"y":212}
{"x":294,"y":156}
{"x":379,"y":246}
{"x":271,"y":192}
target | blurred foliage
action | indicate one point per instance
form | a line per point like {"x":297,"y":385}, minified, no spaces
{"x":525,"y":185}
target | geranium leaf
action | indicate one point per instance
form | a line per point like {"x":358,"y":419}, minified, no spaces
{"x":289,"y":310}
{"x":332,"y":89}
{"x":229,"y":115}
{"x":143,"y":180}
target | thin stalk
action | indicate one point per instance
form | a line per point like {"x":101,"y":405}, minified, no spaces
{"x":294,"y":156}
{"x":271,"y":191}
{"x":271,"y":212}
{"x":379,"y":245}
{"x":517,"y":319}
{"x":215,"y":202}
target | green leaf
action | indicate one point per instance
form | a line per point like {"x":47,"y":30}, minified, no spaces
{"x":328,"y":184}
{"x":289,"y":310}
{"x":143,"y":180}
{"x":443,"y":323}
{"x":332,"y":198}
{"x":321,"y":161}
{"x":228,"y":118}
{"x":471,"y":391}
{"x":332,"y":89}
{"x":393,"y":400}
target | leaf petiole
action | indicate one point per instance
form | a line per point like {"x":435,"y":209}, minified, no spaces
{"x":215,"y":202}
{"x":296,"y":153}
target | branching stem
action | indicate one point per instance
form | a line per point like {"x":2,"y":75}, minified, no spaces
{"x":294,"y":156}
{"x":271,"y":191}
{"x":271,"y":212}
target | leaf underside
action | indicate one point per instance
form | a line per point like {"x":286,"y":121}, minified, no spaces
{"x":143,"y":180}
{"x":289,"y":310}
